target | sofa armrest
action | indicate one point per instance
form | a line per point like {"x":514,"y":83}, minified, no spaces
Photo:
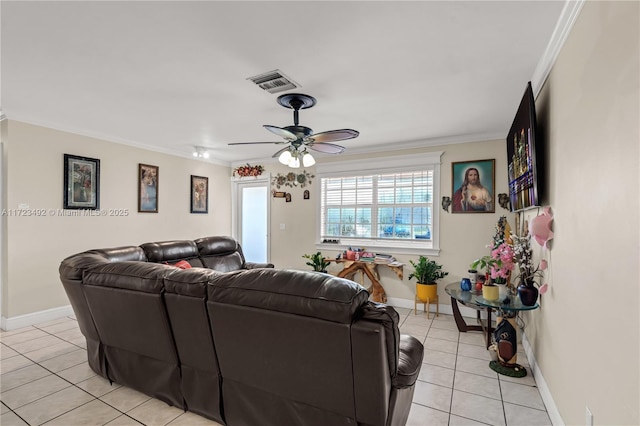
{"x":253,"y":265}
{"x":409,"y":362}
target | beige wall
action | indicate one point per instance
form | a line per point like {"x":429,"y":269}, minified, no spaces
{"x":586,"y":335}
{"x":36,"y":245}
{"x":464,"y":237}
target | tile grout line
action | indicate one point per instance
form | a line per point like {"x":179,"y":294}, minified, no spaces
{"x":71,"y":385}
{"x":455,"y":371}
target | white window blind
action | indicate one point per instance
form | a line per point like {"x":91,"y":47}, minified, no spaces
{"x":390,"y":206}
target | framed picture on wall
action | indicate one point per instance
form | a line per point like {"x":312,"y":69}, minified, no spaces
{"x":147,"y":188}
{"x":81,"y":182}
{"x":473,"y":186}
{"x":199,"y":194}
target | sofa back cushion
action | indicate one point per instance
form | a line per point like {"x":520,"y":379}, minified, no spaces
{"x":220,"y":253}
{"x":283,"y":343}
{"x":127,"y":306}
{"x":172,"y":252}
{"x":71,"y":270}
{"x":311,"y":294}
{"x":185,"y":297}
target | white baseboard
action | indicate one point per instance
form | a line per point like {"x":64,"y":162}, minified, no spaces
{"x":545,"y":393}
{"x":26,"y":320}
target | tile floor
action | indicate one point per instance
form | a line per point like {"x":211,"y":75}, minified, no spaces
{"x":45,"y":379}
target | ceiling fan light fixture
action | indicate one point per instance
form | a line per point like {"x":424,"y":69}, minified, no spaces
{"x":285,"y":157}
{"x":294,"y":163}
{"x":308,"y":160}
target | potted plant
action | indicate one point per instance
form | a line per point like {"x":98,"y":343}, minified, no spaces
{"x":426,"y":272}
{"x":489,"y":290}
{"x":317,"y":261}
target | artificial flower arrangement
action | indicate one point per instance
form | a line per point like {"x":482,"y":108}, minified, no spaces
{"x":523,"y":256}
{"x":499,"y":264}
{"x":248,"y":170}
{"x":508,"y":251}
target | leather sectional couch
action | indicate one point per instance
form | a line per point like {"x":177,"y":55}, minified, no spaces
{"x":241,"y":343}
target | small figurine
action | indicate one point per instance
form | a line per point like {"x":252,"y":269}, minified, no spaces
{"x":446,"y":202}
{"x":503,"y":200}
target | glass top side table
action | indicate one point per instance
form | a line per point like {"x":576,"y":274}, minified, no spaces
{"x":514,"y":305}
{"x":468,"y":298}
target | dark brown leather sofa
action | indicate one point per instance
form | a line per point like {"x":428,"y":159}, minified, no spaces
{"x":240,"y":343}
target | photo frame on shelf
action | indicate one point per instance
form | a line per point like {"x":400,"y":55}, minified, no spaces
{"x":81,"y":182}
{"x":473,"y":186}
{"x":148,"y":188}
{"x":199,"y":194}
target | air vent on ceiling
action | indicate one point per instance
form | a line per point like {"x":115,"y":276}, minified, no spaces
{"x":274,"y":81}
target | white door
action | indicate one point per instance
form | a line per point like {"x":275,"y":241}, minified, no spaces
{"x":252,"y":218}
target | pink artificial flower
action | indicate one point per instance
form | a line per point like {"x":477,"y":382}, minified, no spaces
{"x":543,"y":265}
{"x":543,"y":288}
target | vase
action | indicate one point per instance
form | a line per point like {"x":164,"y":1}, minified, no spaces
{"x":490,"y":292}
{"x":528,"y":294}
{"x":465,"y":284}
{"x":426,"y":292}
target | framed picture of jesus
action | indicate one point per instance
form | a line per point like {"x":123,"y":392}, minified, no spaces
{"x":473,"y":186}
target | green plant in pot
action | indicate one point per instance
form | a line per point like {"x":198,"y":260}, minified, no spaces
{"x":317,"y":261}
{"x":427,"y":272}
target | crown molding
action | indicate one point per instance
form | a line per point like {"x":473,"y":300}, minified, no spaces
{"x":565,"y":23}
{"x":106,"y":138}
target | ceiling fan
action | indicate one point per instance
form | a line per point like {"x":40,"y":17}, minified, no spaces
{"x":299,"y":138}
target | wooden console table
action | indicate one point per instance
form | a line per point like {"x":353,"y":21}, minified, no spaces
{"x":370,"y":269}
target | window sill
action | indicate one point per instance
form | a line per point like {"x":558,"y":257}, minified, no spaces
{"x":387,"y":247}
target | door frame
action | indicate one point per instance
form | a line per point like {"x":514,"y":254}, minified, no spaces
{"x":245,"y":182}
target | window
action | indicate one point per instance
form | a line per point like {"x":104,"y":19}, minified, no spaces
{"x":391,"y":206}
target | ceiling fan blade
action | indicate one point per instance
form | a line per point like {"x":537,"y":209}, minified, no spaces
{"x":283,"y":133}
{"x":253,"y":143}
{"x":327,"y":148}
{"x":334,"y":135}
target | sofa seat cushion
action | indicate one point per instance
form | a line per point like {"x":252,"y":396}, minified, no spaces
{"x":409,"y":362}
{"x":310,"y":294}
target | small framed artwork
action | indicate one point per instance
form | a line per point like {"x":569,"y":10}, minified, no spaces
{"x":81,"y":182}
{"x":473,"y":186}
{"x":147,"y":188}
{"x":199,"y":194}
{"x":287,"y":197}
{"x":306,"y":194}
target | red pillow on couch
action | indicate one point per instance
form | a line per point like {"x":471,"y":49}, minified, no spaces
{"x":183,"y":264}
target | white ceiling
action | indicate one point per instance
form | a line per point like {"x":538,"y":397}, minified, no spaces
{"x":171,"y":75}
